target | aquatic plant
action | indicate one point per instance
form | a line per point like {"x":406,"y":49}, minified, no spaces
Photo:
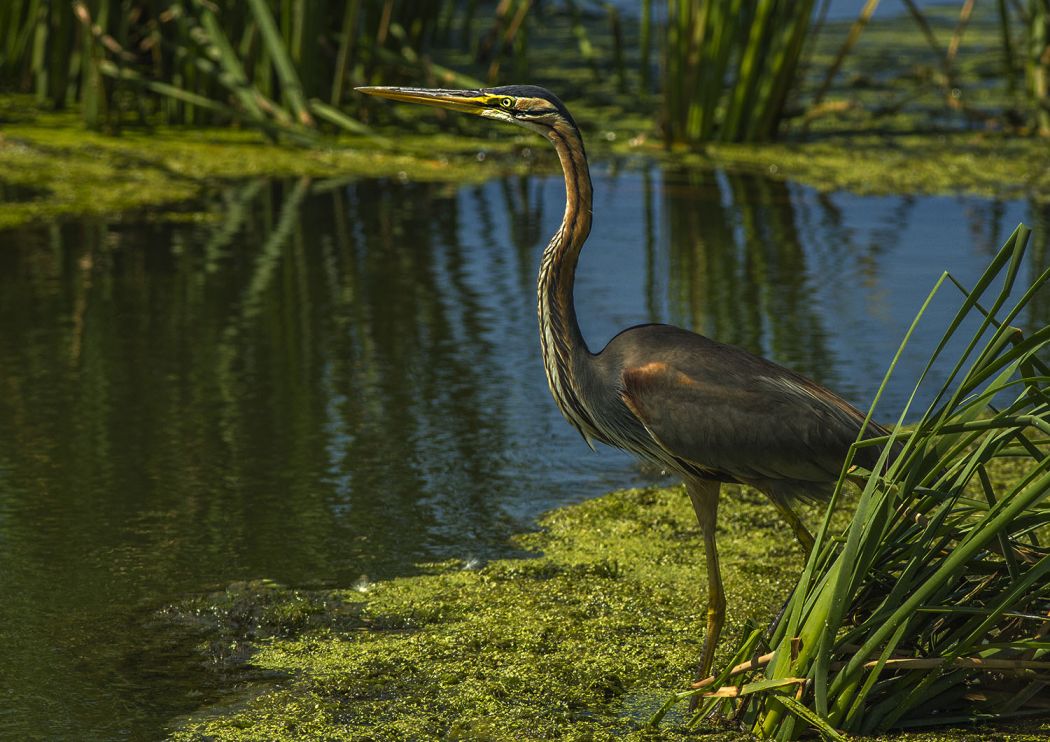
{"x":728,"y":69}
{"x":280,"y":66}
{"x":932,"y":607}
{"x":730,"y":66}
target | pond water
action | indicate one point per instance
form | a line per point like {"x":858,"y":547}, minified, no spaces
{"x":321,"y":380}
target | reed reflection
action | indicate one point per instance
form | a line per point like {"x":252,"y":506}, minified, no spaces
{"x":1040,"y":257}
{"x":294,"y":388}
{"x":738,"y":272}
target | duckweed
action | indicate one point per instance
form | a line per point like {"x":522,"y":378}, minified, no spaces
{"x":582,"y":641}
{"x":69,"y":170}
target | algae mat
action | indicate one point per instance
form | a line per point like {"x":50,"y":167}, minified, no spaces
{"x":65,"y":170}
{"x":583,"y":641}
{"x":59,"y":169}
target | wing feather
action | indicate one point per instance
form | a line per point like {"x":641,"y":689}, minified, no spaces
{"x":735,"y":413}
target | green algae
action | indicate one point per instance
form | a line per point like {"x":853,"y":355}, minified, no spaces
{"x":584,"y":640}
{"x":80,"y":172}
{"x":987,"y":165}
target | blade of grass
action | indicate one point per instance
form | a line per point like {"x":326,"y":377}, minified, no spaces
{"x":291,"y":87}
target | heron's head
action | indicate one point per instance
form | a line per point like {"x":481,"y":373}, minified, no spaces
{"x":525,"y":105}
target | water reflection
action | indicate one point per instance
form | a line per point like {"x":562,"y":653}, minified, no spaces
{"x":1040,"y":260}
{"x":322,"y":379}
{"x":740,"y":271}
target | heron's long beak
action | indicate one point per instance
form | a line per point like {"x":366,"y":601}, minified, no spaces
{"x":468,"y":101}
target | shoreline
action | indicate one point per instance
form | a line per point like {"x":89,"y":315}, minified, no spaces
{"x":52,"y":168}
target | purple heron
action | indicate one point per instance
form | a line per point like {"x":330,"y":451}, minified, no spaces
{"x":710,"y":412}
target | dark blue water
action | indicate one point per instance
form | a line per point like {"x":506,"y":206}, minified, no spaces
{"x":312,"y":381}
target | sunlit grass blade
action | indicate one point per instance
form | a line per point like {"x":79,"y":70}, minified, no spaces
{"x":291,"y":87}
{"x":938,"y":587}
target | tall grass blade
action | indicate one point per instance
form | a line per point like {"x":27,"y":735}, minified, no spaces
{"x":346,"y":50}
{"x":938,"y":587}
{"x":1037,"y":63}
{"x":291,"y":87}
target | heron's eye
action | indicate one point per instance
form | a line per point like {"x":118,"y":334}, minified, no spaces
{"x":506,"y":102}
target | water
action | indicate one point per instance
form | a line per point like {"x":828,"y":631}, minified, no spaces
{"x":317,"y":381}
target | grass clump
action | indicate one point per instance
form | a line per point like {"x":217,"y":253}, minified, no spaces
{"x":933,"y":606}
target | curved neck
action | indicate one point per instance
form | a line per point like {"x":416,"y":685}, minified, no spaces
{"x":561,"y":341}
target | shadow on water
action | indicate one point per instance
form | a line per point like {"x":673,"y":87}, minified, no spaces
{"x":318,"y":380}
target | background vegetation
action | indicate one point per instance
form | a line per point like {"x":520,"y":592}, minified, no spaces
{"x":729,"y":71}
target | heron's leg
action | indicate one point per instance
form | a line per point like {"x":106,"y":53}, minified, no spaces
{"x":801,"y":532}
{"x":704,"y":494}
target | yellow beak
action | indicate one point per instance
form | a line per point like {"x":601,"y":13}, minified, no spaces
{"x":468,"y":101}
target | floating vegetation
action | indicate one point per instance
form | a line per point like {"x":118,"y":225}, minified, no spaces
{"x":576,"y":642}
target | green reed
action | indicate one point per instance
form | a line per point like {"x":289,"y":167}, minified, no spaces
{"x":1026,"y":57}
{"x":1037,"y":63}
{"x":730,"y":66}
{"x":280,"y":65}
{"x":932,"y":606}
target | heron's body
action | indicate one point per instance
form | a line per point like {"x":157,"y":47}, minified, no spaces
{"x":711,"y":412}
{"x":734,"y":404}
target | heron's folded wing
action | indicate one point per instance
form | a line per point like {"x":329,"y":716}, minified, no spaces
{"x":759,"y":423}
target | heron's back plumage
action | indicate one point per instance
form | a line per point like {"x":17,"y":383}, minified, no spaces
{"x":714,"y":410}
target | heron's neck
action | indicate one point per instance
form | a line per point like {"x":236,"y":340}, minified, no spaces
{"x":564,"y":351}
